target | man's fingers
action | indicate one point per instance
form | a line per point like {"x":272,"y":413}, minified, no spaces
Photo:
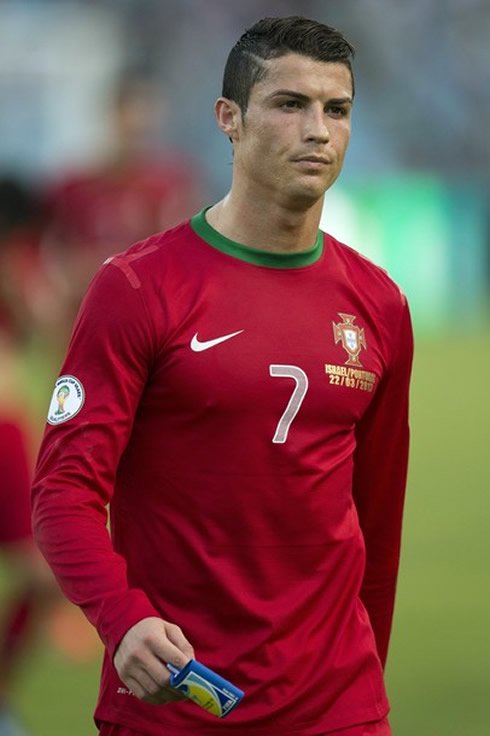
{"x":140,"y":660}
{"x":163,"y":697}
{"x":144,"y":688}
{"x":173,"y":648}
{"x":158,"y":672}
{"x":135,"y":687}
{"x":149,"y":684}
{"x":176,"y":636}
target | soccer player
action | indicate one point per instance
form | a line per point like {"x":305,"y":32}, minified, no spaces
{"x":238,"y":395}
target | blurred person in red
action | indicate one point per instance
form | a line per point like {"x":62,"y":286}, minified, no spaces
{"x":138,"y":188}
{"x":25,"y":303}
{"x":31,"y":585}
{"x":28,"y":304}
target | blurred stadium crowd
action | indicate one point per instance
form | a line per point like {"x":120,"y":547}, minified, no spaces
{"x":107,"y":135}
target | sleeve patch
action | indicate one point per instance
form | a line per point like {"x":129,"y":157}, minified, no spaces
{"x":67,"y":400}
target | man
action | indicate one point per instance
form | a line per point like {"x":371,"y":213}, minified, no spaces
{"x":244,"y":381}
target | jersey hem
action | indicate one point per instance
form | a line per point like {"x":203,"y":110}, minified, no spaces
{"x":132,"y":721}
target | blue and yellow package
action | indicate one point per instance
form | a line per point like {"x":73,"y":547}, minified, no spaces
{"x":205,"y":688}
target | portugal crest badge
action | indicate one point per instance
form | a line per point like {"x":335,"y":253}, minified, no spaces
{"x":351,"y":336}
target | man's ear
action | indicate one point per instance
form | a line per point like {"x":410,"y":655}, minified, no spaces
{"x":229,"y":117}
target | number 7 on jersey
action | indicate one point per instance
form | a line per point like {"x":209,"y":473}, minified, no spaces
{"x":294,"y":403}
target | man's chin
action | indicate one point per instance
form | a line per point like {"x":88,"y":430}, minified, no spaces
{"x":306,"y":195}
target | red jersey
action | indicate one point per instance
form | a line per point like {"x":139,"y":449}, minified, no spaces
{"x":245,"y":414}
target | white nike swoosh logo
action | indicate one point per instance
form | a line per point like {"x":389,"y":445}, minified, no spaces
{"x":198,"y":345}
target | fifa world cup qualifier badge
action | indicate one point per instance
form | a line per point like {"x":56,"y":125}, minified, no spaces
{"x":67,"y":400}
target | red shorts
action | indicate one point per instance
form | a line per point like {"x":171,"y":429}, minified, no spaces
{"x":380,"y":728}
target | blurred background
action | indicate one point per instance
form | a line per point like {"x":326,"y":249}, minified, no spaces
{"x":107,"y":134}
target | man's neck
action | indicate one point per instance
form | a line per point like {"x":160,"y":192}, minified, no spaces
{"x":270,"y":227}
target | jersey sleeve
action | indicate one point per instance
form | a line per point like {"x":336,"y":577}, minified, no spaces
{"x":380,"y":472}
{"x":110,"y":355}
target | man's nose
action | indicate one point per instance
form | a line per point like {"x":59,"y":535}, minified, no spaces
{"x":316,"y":125}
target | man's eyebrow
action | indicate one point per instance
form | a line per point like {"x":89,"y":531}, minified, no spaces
{"x":289,"y":93}
{"x":340,"y":101}
{"x":306,"y":98}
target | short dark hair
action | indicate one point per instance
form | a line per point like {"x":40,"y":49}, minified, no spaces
{"x":271,"y":38}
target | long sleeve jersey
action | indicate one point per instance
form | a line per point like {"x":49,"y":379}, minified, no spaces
{"x":244,"y":413}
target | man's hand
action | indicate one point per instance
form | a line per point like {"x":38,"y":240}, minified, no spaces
{"x":141,"y":656}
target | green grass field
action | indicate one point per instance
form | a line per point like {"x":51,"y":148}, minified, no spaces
{"x":438,"y":673}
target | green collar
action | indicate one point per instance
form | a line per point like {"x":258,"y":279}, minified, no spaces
{"x":255,"y":255}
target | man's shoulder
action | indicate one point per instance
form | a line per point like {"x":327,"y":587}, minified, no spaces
{"x":157,"y":246}
{"x":366,"y":274}
{"x":151,"y":257}
{"x":145,"y":263}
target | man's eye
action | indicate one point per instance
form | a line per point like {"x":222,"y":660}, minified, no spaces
{"x":290,"y":104}
{"x":337,"y":111}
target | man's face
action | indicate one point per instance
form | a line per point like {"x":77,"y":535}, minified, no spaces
{"x":292,"y":140}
